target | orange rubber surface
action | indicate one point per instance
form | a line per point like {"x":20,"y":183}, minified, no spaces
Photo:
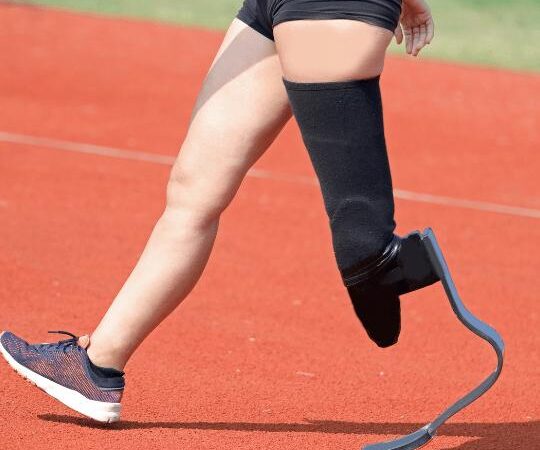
{"x":266,"y":353}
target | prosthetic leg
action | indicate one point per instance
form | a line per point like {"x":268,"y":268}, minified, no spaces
{"x":422,"y":251}
{"x":342,"y":127}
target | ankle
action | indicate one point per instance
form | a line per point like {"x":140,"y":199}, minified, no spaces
{"x":104,"y":358}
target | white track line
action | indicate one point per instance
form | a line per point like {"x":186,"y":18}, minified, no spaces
{"x":135,"y":155}
{"x":90,"y":149}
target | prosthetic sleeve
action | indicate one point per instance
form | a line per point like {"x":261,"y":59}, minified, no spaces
{"x":342,"y":127}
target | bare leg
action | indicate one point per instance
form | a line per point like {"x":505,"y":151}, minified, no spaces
{"x":240,"y":110}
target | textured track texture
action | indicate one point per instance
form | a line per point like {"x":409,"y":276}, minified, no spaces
{"x":266,"y":353}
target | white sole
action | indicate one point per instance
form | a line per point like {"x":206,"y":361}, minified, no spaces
{"x":100,"y":411}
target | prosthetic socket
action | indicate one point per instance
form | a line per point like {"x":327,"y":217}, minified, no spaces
{"x":342,"y":127}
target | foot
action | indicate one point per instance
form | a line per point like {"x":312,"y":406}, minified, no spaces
{"x":64,"y":371}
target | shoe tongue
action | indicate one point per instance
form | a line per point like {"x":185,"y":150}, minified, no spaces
{"x":84,"y":341}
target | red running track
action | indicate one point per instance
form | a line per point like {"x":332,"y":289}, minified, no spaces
{"x":266,"y":353}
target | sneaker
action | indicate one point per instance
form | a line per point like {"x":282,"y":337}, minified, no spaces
{"x":64,"y":371}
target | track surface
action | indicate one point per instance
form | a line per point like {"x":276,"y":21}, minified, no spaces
{"x":266,"y":352}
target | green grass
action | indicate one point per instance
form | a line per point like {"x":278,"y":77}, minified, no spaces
{"x":502,"y":33}
{"x":206,"y":13}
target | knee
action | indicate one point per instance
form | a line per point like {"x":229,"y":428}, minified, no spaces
{"x":190,"y":200}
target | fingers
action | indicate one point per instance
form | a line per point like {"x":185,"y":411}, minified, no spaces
{"x":415,"y":34}
{"x":430,"y":30}
{"x":416,"y":38}
{"x":408,"y":39}
{"x":398,"y":34}
{"x":419,"y":39}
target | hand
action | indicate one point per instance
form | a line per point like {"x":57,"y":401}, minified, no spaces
{"x":416,"y":25}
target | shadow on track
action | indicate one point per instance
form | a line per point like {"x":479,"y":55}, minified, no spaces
{"x":514,"y":435}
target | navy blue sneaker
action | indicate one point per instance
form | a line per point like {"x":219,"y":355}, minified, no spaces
{"x":64,"y":371}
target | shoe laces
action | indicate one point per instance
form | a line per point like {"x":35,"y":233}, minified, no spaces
{"x":64,"y":345}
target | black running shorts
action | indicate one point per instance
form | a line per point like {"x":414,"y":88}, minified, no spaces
{"x":263,"y":15}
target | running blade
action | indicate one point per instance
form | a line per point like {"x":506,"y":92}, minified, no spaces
{"x":411,"y":441}
{"x":425,"y":434}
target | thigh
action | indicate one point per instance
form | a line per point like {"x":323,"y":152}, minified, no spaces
{"x":331,"y":49}
{"x":241,"y":108}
